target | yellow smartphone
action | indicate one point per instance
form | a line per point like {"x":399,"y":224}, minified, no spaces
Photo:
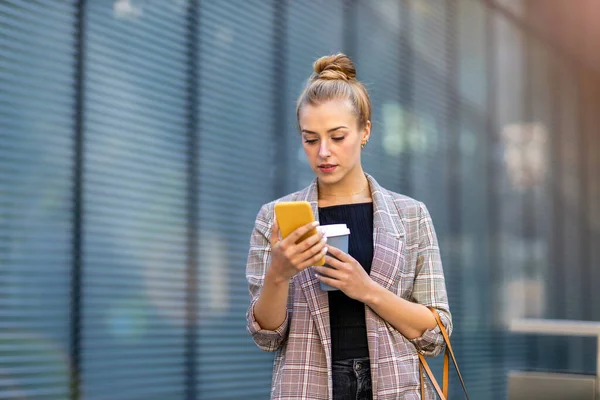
{"x":291,"y":215}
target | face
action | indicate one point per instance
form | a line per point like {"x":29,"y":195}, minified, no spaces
{"x":331,"y":139}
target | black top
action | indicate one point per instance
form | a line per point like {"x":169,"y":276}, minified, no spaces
{"x":347,"y":316}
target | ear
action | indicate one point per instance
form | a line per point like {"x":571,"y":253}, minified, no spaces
{"x":366,"y":134}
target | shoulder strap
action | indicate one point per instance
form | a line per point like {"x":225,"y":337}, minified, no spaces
{"x":424,"y":365}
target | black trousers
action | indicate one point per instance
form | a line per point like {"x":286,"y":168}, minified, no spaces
{"x":352,"y":379}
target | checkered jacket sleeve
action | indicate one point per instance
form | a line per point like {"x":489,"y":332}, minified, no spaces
{"x":429,"y":286}
{"x":259,"y":258}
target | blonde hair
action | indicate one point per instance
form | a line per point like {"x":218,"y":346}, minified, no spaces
{"x":334,"y":77}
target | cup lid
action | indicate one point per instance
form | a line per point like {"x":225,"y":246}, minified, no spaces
{"x":335,"y":229}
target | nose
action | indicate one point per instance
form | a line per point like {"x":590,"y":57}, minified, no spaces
{"x":324,"y":149}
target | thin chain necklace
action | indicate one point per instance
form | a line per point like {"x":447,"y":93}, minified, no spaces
{"x":347,"y":195}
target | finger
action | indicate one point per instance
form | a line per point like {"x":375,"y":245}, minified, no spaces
{"x":329,"y":281}
{"x":299,"y":232}
{"x":334,"y":262}
{"x":275,"y":233}
{"x":313,"y":259}
{"x":330,"y":272}
{"x":339,"y":254}
{"x":317,"y":252}
{"x":307,"y":249}
{"x":317,"y":240}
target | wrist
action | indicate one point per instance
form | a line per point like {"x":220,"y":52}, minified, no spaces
{"x":275,"y":278}
{"x":372,"y":295}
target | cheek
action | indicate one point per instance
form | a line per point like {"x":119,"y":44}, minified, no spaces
{"x":310,"y":150}
{"x":350,"y":149}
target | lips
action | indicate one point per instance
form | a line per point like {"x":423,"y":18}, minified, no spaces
{"x":327,"y":168}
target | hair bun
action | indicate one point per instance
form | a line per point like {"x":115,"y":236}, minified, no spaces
{"x":334,"y":67}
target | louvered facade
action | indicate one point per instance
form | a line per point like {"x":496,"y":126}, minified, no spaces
{"x":138,"y":140}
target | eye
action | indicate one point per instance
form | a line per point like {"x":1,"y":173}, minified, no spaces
{"x":339,"y":139}
{"x":311,"y":141}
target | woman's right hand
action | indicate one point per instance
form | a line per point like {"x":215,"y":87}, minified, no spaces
{"x":289,"y":258}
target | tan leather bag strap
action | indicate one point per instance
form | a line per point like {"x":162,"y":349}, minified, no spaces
{"x":442,"y":393}
{"x":445,"y":380}
{"x":436,"y":386}
{"x":449,"y":352}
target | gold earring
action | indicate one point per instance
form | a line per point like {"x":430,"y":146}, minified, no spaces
{"x":362,"y":146}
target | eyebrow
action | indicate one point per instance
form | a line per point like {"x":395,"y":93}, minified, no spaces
{"x":329,"y":131}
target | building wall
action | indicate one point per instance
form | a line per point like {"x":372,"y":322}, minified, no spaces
{"x":139,"y":139}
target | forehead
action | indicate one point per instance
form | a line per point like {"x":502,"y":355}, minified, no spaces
{"x":326,"y":115}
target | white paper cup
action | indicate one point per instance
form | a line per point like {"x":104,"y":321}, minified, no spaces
{"x":337,"y":236}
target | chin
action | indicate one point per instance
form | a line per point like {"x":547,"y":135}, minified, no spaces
{"x":329,"y":179}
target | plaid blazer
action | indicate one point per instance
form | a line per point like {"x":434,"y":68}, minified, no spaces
{"x":406,"y":261}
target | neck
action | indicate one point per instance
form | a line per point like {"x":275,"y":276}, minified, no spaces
{"x":355,"y":184}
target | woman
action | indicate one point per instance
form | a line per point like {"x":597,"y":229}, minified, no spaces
{"x":361,"y":341}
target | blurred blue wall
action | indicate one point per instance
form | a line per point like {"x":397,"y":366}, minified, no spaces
{"x":138,"y":140}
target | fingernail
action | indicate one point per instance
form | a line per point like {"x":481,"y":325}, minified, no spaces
{"x":324,"y":250}
{"x":324,"y":240}
{"x":315,"y":223}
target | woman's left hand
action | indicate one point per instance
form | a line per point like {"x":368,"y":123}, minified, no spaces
{"x":345,"y":273}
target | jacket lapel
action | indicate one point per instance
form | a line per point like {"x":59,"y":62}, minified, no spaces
{"x":388,"y":234}
{"x":317,"y":299}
